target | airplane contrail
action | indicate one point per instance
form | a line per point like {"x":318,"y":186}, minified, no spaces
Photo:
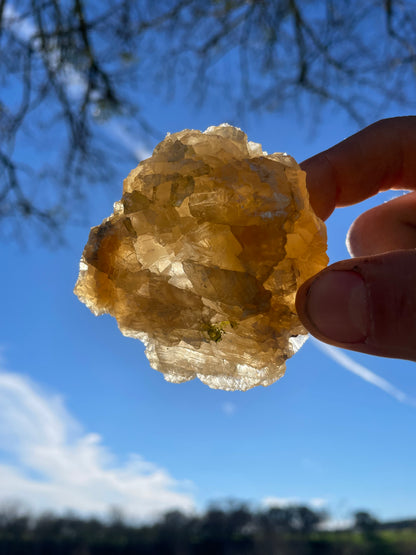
{"x":359,"y":370}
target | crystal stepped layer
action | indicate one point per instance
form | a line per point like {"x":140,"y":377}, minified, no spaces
{"x":202,"y":258}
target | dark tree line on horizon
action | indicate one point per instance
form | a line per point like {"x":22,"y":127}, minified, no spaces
{"x":234,"y":529}
{"x":68,"y":68}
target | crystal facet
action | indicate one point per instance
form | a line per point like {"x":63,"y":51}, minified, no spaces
{"x":202,"y":258}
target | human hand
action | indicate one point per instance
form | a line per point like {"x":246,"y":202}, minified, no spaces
{"x":367,"y":303}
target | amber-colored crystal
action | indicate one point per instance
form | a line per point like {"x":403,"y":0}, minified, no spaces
{"x":202,"y":258}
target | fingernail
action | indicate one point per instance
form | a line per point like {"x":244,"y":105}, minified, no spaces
{"x":336,"y":304}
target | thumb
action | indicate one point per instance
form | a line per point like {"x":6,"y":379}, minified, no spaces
{"x":365,"y":304}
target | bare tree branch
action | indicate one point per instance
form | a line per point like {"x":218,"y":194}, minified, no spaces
{"x":69,"y":66}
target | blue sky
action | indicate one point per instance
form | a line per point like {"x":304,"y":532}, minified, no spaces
{"x":86,"y":424}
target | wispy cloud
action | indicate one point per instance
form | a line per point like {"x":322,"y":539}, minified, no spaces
{"x":228,"y":408}
{"x":359,"y":370}
{"x":48,"y":462}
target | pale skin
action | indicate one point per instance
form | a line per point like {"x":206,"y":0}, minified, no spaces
{"x":367,"y":303}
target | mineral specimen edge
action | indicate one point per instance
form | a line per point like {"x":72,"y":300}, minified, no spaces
{"x":202,"y":258}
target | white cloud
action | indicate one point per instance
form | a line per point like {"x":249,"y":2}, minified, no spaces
{"x":282,"y":502}
{"x":317,"y":502}
{"x":336,"y":524}
{"x":48,"y":462}
{"x":21,"y":26}
{"x":359,"y":370}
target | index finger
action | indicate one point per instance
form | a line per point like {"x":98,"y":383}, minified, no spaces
{"x":380,"y":157}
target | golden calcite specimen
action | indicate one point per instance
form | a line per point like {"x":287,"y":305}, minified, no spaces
{"x":202,"y":258}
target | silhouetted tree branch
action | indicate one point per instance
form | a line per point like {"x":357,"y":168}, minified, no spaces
{"x":68,"y":67}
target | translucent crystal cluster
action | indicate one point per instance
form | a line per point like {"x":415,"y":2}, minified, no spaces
{"x":202,"y":258}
